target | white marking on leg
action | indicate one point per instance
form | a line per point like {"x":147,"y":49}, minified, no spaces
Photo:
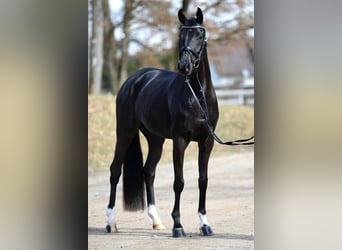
{"x":203,"y":219}
{"x":152,"y":213}
{"x":110,"y":216}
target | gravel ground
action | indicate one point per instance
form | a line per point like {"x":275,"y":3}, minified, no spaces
{"x":230,"y":209}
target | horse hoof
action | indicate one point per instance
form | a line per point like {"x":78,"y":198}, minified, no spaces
{"x":109,"y":228}
{"x":206,"y":230}
{"x":178,"y":232}
{"x":159,"y":226}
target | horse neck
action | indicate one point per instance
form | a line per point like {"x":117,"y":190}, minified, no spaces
{"x":204,"y":75}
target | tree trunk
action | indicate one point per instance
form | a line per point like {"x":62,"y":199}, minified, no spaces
{"x":97,"y":48}
{"x":185,"y":6}
{"x":90,"y":37}
{"x":125,"y":42}
{"x":108,"y":66}
{"x":116,"y":80}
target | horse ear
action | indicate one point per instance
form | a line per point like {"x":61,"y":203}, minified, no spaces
{"x":199,"y":16}
{"x":181,"y":16}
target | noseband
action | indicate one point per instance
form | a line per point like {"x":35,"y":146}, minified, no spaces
{"x":197,"y":56}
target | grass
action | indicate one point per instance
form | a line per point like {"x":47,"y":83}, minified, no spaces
{"x":235,"y":122}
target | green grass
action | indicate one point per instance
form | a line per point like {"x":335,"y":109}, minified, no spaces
{"x":235,"y":122}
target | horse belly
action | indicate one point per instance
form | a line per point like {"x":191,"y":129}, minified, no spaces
{"x":155,"y":117}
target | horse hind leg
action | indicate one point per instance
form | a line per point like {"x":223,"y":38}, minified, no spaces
{"x":115,"y":173}
{"x":155,"y":144}
{"x":121,"y":147}
{"x":126,"y":130}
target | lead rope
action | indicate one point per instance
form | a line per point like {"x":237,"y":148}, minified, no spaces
{"x":206,"y":113}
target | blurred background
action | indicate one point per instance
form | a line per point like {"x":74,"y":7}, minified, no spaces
{"x":124,"y":36}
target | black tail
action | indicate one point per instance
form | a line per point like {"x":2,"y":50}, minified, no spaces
{"x":133,"y":177}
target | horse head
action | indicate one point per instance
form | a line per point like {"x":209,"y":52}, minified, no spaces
{"x":192,"y":41}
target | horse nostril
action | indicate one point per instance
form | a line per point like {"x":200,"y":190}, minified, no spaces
{"x":187,"y":67}
{"x":181,"y":65}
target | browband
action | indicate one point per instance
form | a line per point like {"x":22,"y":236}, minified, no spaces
{"x":190,"y":27}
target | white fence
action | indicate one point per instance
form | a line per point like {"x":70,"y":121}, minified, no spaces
{"x":235,"y":96}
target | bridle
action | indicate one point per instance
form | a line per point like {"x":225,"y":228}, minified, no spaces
{"x":204,"y":110}
{"x":188,"y":49}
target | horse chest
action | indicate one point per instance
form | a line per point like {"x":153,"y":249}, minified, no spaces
{"x":191,"y":123}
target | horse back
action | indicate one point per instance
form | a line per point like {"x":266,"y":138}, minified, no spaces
{"x":144,"y":98}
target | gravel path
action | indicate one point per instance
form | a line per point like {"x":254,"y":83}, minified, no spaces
{"x":230,"y":209}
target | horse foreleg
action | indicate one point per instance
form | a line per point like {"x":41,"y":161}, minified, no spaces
{"x":179,"y":146}
{"x":203,"y":158}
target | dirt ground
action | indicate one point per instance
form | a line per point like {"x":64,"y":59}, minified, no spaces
{"x":230,"y":209}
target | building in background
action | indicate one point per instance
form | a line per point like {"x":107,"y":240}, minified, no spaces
{"x":231,"y":65}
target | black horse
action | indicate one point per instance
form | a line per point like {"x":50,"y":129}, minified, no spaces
{"x":161,"y":104}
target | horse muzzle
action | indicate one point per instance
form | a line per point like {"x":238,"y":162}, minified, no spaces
{"x":185,"y":66}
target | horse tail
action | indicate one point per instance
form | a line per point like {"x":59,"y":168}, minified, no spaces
{"x":133,"y":177}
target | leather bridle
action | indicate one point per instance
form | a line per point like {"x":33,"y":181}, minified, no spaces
{"x":195,"y":56}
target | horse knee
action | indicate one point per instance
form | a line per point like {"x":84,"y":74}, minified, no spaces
{"x":202,"y":183}
{"x":178,"y":185}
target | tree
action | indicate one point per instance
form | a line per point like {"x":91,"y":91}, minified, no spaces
{"x":89,"y":43}
{"x":96,"y":60}
{"x":130,"y":5}
{"x":109,"y":46}
{"x":236,"y":18}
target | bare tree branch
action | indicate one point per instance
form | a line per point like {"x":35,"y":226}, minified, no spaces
{"x":134,"y":40}
{"x":229,"y":34}
{"x":213,"y":5}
